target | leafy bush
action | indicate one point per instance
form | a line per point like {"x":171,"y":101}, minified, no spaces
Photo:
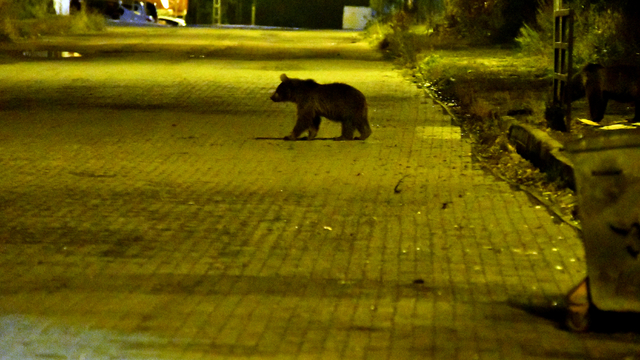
{"x":485,"y":22}
{"x":393,"y":36}
{"x":402,"y":40}
{"x":422,"y":11}
{"x":537,"y":39}
{"x":32,"y":18}
{"x":475,"y":20}
{"x":4,"y":21}
{"x":600,"y":35}
{"x":533,"y":42}
{"x":598,"y":38}
{"x":32,"y":9}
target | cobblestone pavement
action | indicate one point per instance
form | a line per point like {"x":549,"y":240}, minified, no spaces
{"x":141,"y":218}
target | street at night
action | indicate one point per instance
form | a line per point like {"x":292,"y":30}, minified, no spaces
{"x":150,"y":209}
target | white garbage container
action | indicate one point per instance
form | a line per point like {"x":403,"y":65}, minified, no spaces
{"x":607,"y":175}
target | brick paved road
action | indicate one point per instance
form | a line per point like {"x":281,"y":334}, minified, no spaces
{"x":140,"y":218}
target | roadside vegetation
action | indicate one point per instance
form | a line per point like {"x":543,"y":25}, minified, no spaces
{"x":492,"y":62}
{"x":25,"y":19}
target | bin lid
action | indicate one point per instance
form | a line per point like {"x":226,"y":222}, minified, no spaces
{"x":606,"y":141}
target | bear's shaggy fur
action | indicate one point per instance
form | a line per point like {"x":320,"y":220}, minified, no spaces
{"x":601,"y":84}
{"x":338,"y":102}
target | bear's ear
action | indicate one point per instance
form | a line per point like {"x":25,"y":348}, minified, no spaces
{"x":283,"y":77}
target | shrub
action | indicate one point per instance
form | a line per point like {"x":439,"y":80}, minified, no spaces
{"x":600,"y":35}
{"x":6,"y":31}
{"x":598,"y":38}
{"x":537,"y":39}
{"x":485,"y":22}
{"x":32,"y":18}
{"x":402,"y":40}
{"x":32,"y":9}
{"x":393,"y":36}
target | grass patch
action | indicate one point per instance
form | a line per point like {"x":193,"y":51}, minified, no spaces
{"x":478,"y":79}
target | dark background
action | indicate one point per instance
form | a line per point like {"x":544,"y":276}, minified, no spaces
{"x":311,"y":14}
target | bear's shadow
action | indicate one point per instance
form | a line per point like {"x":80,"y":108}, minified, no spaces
{"x":299,"y":139}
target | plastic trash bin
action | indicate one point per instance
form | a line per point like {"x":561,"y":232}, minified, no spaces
{"x":607,"y":176}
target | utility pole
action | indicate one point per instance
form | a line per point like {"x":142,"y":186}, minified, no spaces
{"x":253,"y":12}
{"x":563,"y":59}
{"x":217,"y":18}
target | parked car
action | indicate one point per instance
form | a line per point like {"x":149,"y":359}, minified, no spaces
{"x":138,"y":12}
{"x":125,"y":11}
{"x":132,"y":12}
{"x":171,"y":21}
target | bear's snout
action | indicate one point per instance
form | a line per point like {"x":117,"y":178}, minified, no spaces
{"x":275,"y":97}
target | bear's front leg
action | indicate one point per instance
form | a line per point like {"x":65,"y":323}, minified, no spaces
{"x":301,"y":126}
{"x":597,"y":106}
{"x":315,"y":126}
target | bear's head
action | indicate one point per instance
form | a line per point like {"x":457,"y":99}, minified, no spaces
{"x":291,"y":89}
{"x":283,"y":92}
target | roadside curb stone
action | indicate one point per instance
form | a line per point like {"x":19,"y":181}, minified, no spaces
{"x":542,"y":151}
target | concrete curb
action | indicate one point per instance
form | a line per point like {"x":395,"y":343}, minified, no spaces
{"x":534,"y":145}
{"x":542,"y":151}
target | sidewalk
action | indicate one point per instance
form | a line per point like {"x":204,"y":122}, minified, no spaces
{"x":140,"y":218}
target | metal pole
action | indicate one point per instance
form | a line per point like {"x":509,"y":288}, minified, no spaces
{"x":253,"y":12}
{"x":217,"y":19}
{"x":562,"y":59}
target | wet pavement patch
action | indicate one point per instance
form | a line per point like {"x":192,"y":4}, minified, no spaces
{"x":47,"y":54}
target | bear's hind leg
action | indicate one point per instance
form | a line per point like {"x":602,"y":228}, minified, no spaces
{"x":364,"y":129}
{"x":636,"y":117}
{"x":597,"y":107}
{"x":596,"y":100}
{"x":347,"y":131}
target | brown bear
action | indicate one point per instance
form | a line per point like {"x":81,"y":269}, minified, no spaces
{"x":338,"y":102}
{"x":601,"y":84}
